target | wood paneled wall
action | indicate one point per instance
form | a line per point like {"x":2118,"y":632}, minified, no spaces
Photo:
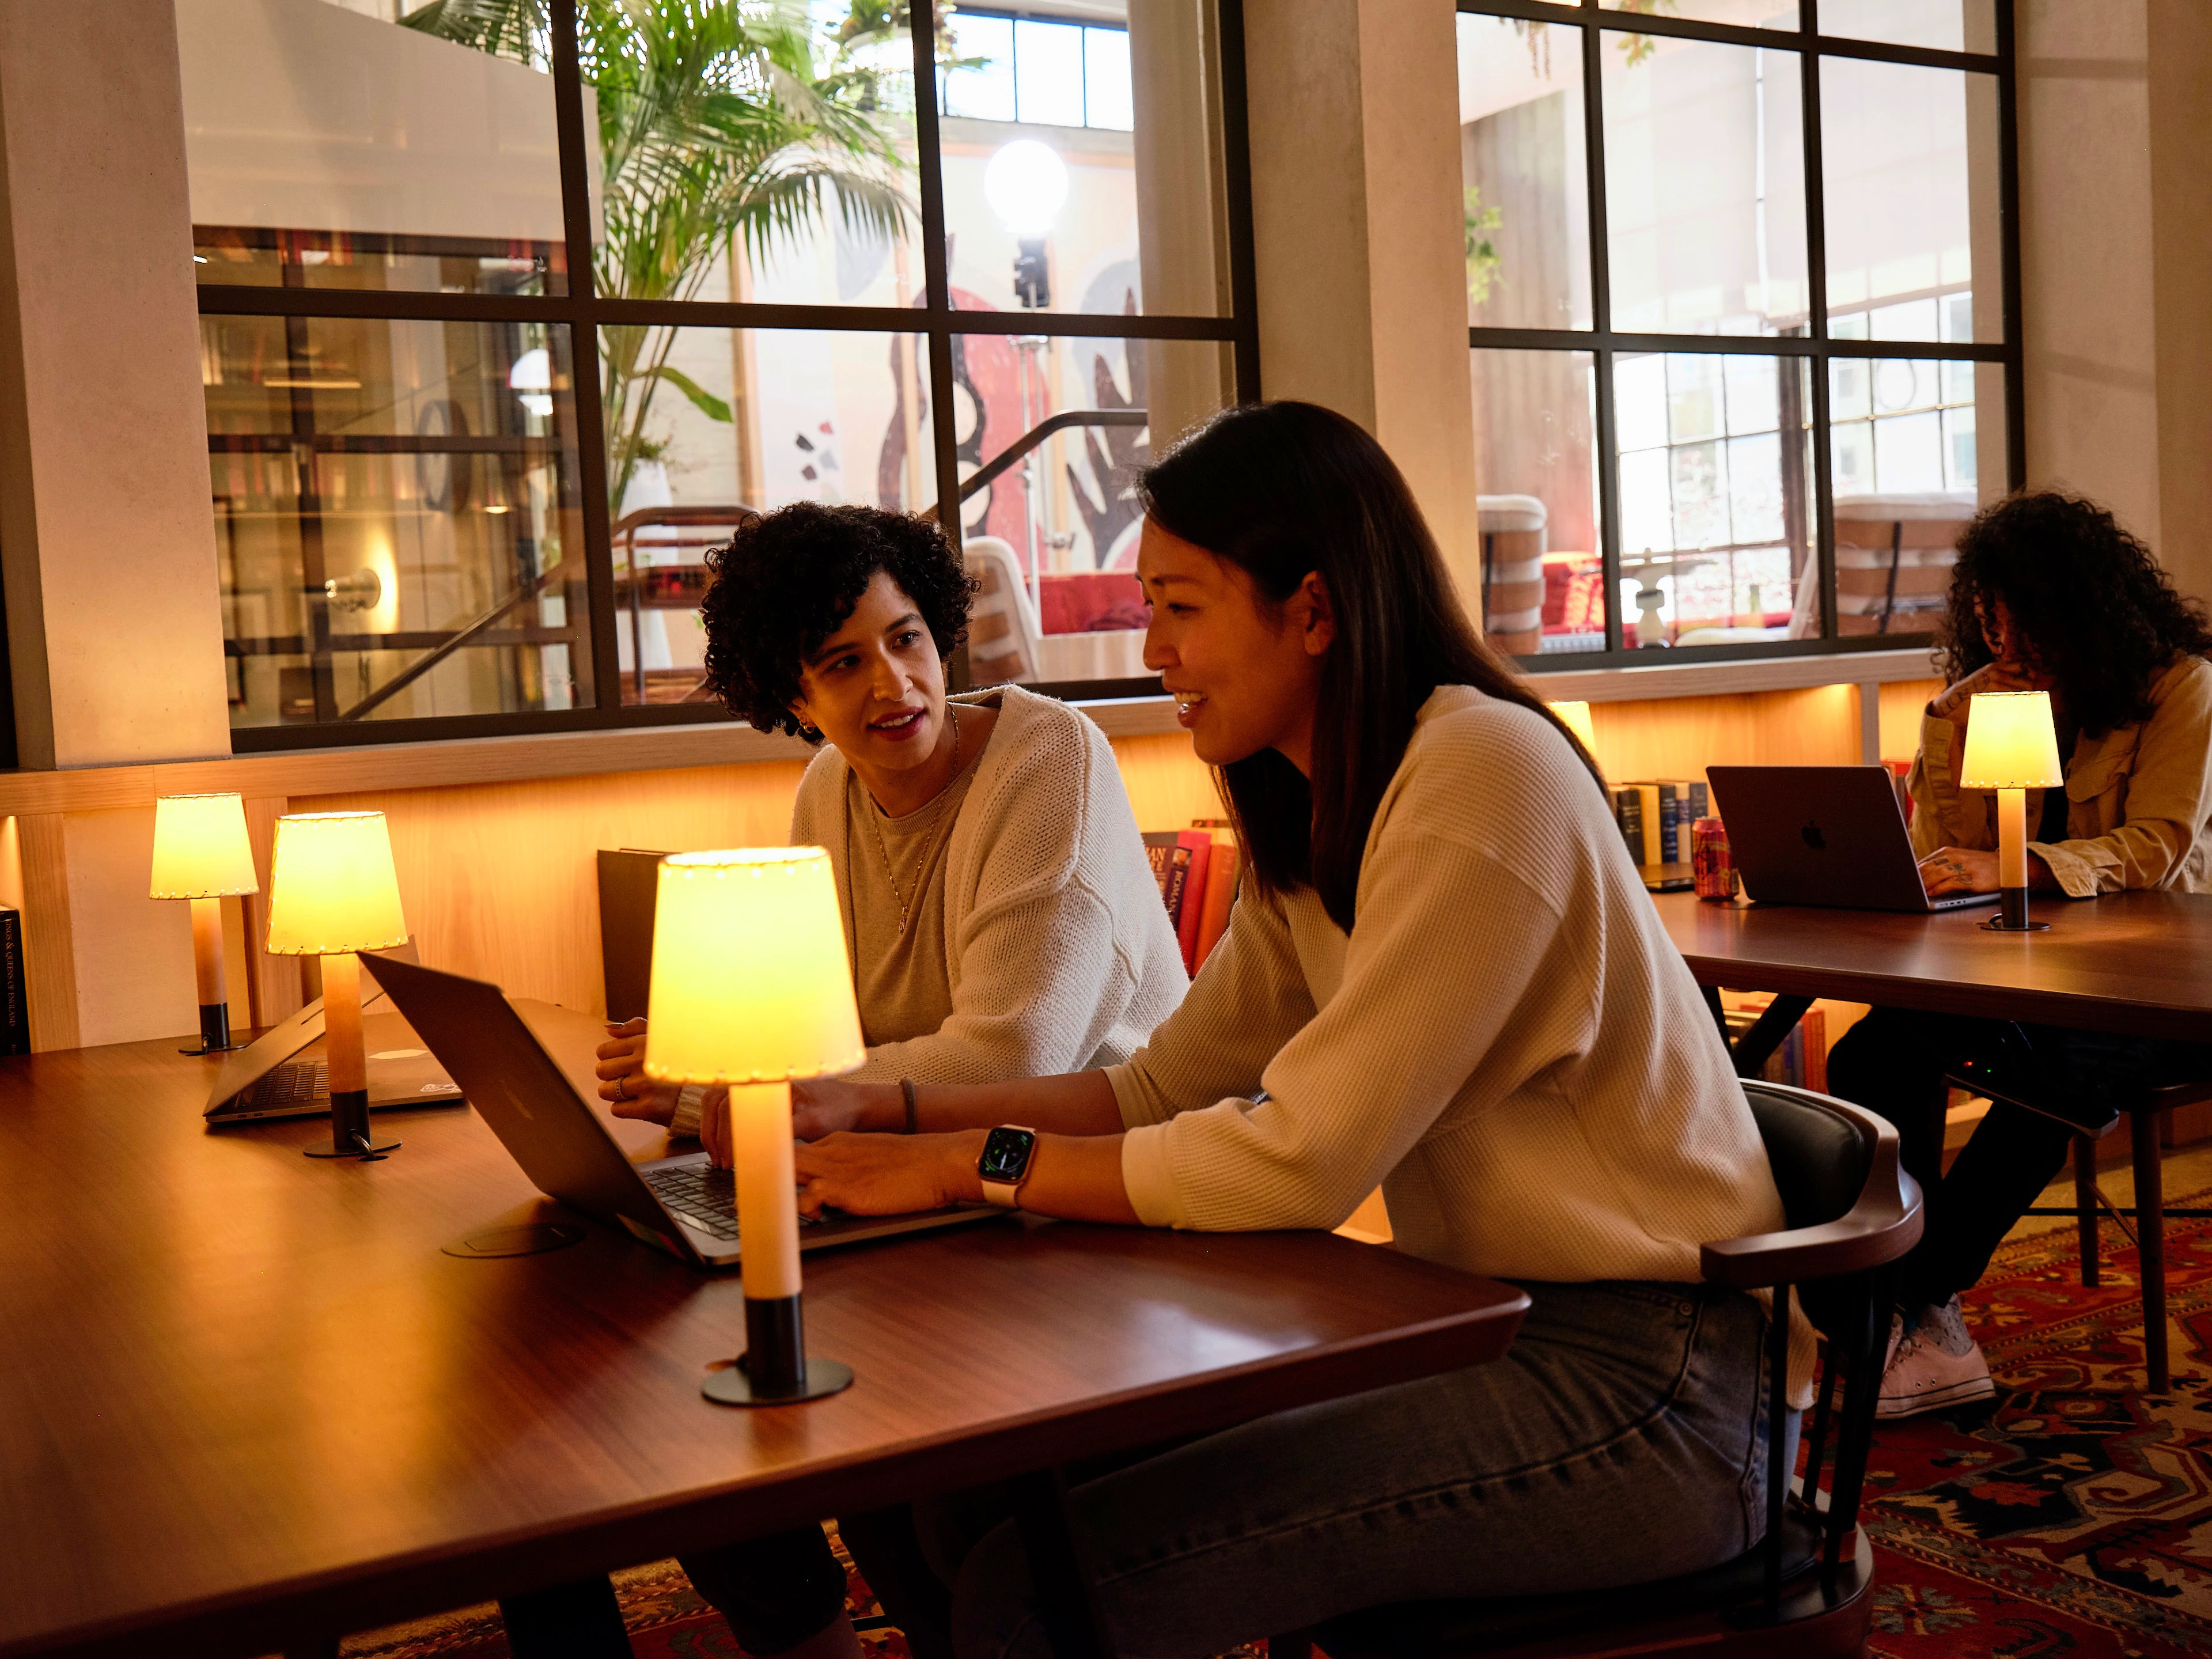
{"x":500,"y":881}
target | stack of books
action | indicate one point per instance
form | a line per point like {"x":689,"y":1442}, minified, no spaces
{"x":1198,"y":877}
{"x":1654,"y":818}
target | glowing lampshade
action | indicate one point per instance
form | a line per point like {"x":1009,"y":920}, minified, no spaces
{"x":2011,"y":743}
{"x":2011,"y":747}
{"x":751,"y":983}
{"x":200,"y":848}
{"x":1576,"y":717}
{"x":751,"y":988}
{"x":332,"y":886}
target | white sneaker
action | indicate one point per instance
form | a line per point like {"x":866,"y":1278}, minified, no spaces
{"x":1933,"y":1364}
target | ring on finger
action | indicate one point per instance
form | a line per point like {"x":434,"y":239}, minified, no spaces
{"x":621,"y":1087}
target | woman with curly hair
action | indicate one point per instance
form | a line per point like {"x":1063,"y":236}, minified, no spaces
{"x":1001,"y":918}
{"x":2049,"y":593}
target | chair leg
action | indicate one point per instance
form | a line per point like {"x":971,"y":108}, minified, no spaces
{"x":2085,"y":1204}
{"x":2150,"y":1244}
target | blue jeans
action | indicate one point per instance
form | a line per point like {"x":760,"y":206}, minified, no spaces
{"x":1620,"y":1440}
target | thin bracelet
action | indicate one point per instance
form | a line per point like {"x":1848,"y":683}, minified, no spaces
{"x":906,"y":1088}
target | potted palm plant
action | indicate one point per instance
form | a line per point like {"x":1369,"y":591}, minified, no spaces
{"x":723,"y":125}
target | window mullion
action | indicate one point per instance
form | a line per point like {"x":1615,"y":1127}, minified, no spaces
{"x":1816,"y":302}
{"x":584,"y":357}
{"x":1609,"y":460}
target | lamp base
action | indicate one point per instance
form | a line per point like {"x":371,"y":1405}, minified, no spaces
{"x":215,"y":1031}
{"x":733,"y":1387}
{"x":774,"y":1369}
{"x":2012,"y":914}
{"x":349,"y":1130}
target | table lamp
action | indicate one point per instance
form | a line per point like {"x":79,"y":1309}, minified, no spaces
{"x":201,"y":853}
{"x":1576,"y":717}
{"x":2011,"y":747}
{"x":751,"y":988}
{"x":333,"y":891}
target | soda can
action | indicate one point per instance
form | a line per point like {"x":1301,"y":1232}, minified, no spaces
{"x":1709,"y":863}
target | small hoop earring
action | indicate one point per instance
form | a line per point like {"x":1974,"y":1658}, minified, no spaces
{"x":812,"y":734}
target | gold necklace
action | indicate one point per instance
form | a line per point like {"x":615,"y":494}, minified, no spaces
{"x":922,"y":863}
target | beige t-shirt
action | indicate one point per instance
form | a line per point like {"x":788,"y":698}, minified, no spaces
{"x":899,"y":972}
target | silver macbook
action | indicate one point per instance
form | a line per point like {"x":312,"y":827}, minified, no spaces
{"x":682,"y":1204}
{"x":274,"y":1076}
{"x":1824,"y":835}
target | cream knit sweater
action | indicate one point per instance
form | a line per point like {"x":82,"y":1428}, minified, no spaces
{"x":1507,"y":1042}
{"x":1059,"y":951}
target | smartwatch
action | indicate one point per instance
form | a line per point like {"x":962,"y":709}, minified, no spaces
{"x":1008,"y":1151}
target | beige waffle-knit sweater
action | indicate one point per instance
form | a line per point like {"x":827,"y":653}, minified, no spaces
{"x":1507,"y":1041}
{"x":1058,"y":952}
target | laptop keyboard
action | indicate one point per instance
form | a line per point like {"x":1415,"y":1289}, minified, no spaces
{"x":703,"y":1193}
{"x":295,"y":1083}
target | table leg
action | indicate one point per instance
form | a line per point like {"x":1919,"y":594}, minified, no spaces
{"x":1065,"y":1600}
{"x":2084,"y":1205}
{"x":1757,"y":1046}
{"x":1720,"y":1021}
{"x":2150,"y":1244}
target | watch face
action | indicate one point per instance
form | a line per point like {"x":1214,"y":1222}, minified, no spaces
{"x":1006,"y":1154}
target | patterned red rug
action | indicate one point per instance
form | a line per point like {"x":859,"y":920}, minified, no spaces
{"x":2072,"y":1518}
{"x":2074,"y":1515}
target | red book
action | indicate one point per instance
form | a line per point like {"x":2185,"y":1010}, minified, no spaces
{"x":1220,"y":894}
{"x":1192,"y":914}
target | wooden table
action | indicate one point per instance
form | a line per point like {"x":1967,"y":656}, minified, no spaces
{"x":2134,"y":963}
{"x":246,"y":1404}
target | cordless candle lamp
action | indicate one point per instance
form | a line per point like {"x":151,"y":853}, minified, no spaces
{"x":2012,"y":747}
{"x":752,"y":989}
{"x":1576,"y":717}
{"x":201,"y":853}
{"x":333,"y":892}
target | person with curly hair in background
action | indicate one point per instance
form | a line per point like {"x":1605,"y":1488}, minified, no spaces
{"x":1001,"y":918}
{"x":2049,"y":593}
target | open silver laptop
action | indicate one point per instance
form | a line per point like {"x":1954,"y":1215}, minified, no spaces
{"x":682,"y":1204}
{"x":1824,"y":835}
{"x":273,"y":1076}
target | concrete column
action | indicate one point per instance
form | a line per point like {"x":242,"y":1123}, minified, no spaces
{"x":2116,"y":254}
{"x":106,"y":535}
{"x":1356,"y":220}
{"x":2180,"y":60}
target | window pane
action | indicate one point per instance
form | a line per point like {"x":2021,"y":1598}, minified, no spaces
{"x":1053,"y":536}
{"x":1536,"y":462}
{"x":809,"y":199}
{"x":1106,"y":92}
{"x":383,"y":490}
{"x":1705,"y":187}
{"x":1912,"y":178}
{"x":1524,"y":173}
{"x":1048,"y":74}
{"x":1926,"y":451}
{"x":984,"y":89}
{"x":758,"y":418}
{"x":1744,"y":14}
{"x":330,"y":150}
{"x":1065,"y":209}
{"x":1940,"y":25}
{"x":1716,"y":546}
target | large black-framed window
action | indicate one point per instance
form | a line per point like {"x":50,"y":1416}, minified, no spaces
{"x":1744,"y":318}
{"x":453,"y":390}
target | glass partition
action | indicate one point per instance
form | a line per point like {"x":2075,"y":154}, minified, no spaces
{"x":396,"y":519}
{"x":816,"y":231}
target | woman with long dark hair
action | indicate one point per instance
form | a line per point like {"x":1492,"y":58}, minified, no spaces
{"x":1443,"y":976}
{"x":2049,"y":593}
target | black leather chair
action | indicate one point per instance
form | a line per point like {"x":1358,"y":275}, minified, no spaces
{"x":1805,"y":1591}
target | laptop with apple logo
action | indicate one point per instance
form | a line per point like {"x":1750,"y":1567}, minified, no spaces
{"x":1824,"y":835}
